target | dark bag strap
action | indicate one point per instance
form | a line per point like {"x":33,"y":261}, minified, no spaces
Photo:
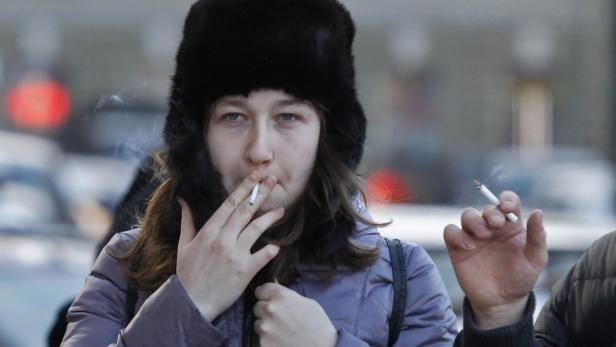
{"x":131,"y":302}
{"x":398,"y":268}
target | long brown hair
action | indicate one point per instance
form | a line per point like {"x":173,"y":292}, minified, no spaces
{"x":315,"y":230}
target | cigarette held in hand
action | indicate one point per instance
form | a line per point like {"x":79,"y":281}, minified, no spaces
{"x":253,"y":195}
{"x":493,"y":199}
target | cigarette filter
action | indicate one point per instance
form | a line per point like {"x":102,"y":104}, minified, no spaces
{"x":493,"y":199}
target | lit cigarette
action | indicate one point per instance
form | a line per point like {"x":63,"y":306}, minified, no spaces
{"x":493,"y":199}
{"x":253,"y":195}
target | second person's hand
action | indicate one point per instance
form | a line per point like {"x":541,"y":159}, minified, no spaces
{"x":497,"y":262}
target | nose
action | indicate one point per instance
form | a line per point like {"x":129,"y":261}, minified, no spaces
{"x":259,"y":152}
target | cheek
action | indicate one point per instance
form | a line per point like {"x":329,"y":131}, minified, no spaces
{"x":224,"y":158}
{"x":299,"y":158}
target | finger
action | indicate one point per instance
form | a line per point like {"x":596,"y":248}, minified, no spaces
{"x":231,"y":203}
{"x":256,"y":228}
{"x":509,"y":202}
{"x":263,"y":256}
{"x":245,"y":212}
{"x":268,"y":291}
{"x":494,"y":217}
{"x":260,"y":328}
{"x":262,"y":309}
{"x":536,"y":244}
{"x":187,"y":226}
{"x":456,"y":238}
{"x":473,"y":223}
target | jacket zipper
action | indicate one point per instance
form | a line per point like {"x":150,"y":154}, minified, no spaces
{"x":247,"y":326}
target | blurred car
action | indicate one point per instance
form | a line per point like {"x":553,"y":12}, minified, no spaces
{"x":30,"y":200}
{"x":116,"y":128}
{"x":424,"y":224}
{"x":104,"y":146}
{"x":93,"y":186}
{"x":43,"y":255}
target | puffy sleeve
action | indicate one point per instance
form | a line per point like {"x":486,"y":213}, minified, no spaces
{"x":168,"y":317}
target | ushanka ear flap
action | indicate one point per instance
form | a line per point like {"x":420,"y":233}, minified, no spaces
{"x":189,"y":162}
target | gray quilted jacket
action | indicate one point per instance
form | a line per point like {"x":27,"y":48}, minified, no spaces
{"x":357,"y":302}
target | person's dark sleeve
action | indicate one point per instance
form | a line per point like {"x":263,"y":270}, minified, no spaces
{"x":516,"y":335}
{"x":549,"y":327}
{"x":581,"y":304}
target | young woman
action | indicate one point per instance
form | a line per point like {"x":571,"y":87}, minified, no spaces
{"x":258,"y":233}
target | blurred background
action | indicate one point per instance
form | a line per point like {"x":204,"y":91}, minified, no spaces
{"x":520,"y":95}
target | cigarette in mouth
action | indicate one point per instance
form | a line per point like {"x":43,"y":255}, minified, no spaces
{"x":493,"y":199}
{"x":253,"y":195}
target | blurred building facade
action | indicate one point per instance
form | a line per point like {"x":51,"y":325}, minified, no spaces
{"x":441,"y":81}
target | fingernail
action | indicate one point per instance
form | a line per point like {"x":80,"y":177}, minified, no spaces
{"x":469,"y":245}
{"x":280,"y":211}
{"x":498,"y":220}
{"x":508,"y":205}
{"x":274,"y":252}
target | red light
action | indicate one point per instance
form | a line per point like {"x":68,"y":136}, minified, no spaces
{"x":388,"y":186}
{"x":38,"y":104}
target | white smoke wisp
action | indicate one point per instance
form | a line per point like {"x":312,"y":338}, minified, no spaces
{"x":499,"y":174}
{"x":108,"y":101}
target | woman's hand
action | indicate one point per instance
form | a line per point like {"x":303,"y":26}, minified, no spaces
{"x":287,"y":319}
{"x":497,"y":262}
{"x":215,"y":265}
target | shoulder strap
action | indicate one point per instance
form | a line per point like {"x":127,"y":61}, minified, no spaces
{"x":131,"y":302}
{"x":398,"y":268}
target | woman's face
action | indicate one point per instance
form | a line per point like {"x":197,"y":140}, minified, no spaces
{"x":269,"y":131}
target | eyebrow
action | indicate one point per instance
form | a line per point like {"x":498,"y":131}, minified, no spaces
{"x":292,"y":102}
{"x":231,"y":102}
{"x":241,"y":102}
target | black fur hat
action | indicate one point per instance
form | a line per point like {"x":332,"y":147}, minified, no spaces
{"x":303,"y":47}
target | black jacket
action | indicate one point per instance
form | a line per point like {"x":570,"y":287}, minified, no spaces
{"x":580,"y":312}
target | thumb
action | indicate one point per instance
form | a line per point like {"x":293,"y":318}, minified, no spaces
{"x":187,"y":226}
{"x":264,"y":256}
{"x":536,"y":245}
